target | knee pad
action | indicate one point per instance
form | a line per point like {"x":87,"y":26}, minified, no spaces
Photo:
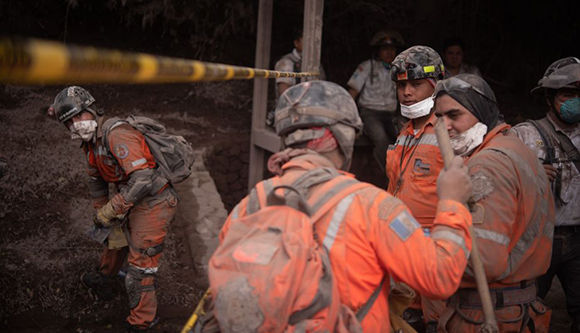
{"x":133,"y":284}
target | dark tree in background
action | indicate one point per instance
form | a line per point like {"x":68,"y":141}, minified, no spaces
{"x":512,"y":42}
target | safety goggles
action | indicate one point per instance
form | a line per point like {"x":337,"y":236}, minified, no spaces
{"x":456,"y":84}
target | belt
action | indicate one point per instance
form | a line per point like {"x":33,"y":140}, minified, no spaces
{"x":567,"y":229}
{"x":523,"y":293}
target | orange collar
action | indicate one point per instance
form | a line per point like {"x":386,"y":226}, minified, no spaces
{"x":311,"y":161}
{"x":410,"y":130}
{"x":489,"y":136}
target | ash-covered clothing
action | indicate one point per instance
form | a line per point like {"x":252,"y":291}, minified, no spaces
{"x":150,"y":206}
{"x":464,"y":68}
{"x":565,"y":261}
{"x":567,"y":207}
{"x":372,"y":79}
{"x":513,"y":214}
{"x":371,"y":231}
{"x":292,"y":62}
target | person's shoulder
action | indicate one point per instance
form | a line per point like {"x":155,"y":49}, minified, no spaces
{"x":284,"y":62}
{"x":366,"y":64}
{"x":527,"y":132}
{"x":372,"y":195}
{"x":502,"y":153}
{"x":122,"y":130}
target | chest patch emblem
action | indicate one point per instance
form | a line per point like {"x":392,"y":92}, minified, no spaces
{"x":121,"y":151}
{"x":421,"y":167}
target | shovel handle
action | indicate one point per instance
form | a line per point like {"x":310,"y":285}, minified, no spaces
{"x":490,"y":323}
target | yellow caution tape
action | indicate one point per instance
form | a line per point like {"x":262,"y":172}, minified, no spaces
{"x":33,"y":61}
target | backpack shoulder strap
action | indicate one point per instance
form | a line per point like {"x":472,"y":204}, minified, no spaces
{"x":362,"y":312}
{"x":544,"y":132}
{"x":108,"y":126}
{"x":571,"y":152}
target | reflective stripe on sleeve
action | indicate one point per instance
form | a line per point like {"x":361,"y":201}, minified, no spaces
{"x":492,"y":236}
{"x":138,"y":162}
{"x":452,"y":237}
{"x":336,"y":221}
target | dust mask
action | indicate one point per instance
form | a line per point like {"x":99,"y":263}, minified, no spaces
{"x":84,"y":130}
{"x":465,"y":142}
{"x":418,"y":109}
{"x":570,"y":110}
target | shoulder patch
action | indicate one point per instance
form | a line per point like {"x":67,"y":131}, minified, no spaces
{"x":121,"y":150}
{"x":539,"y":143}
{"x":482,"y":186}
{"x":404,"y":225}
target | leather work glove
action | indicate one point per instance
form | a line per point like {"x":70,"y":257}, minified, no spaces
{"x":400,"y":298}
{"x":107,"y":217}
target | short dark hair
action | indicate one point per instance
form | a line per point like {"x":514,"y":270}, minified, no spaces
{"x":453,"y":41}
{"x":296,"y":34}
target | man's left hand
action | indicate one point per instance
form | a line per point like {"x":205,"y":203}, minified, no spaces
{"x":105,"y":216}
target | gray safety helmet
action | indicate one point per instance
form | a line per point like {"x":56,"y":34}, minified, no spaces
{"x":71,"y":101}
{"x":318,"y":104}
{"x":562,"y":73}
{"x":418,"y":62}
{"x":387,"y":38}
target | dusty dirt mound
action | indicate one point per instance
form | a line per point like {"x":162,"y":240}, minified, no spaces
{"x":45,"y":210}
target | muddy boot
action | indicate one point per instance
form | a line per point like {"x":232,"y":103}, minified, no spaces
{"x":99,"y":285}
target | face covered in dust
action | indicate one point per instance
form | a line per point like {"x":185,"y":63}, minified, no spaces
{"x":467,"y":105}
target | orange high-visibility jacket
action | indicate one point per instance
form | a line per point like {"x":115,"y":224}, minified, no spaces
{"x":413,"y":165}
{"x":128,"y":152}
{"x":371,"y":235}
{"x":514,"y":213}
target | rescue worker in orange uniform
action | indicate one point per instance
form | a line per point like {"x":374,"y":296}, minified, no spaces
{"x":370,"y":235}
{"x":513,"y":211}
{"x":414,"y":161}
{"x":145,"y":199}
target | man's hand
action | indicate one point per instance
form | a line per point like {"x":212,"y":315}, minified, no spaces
{"x":105,"y":216}
{"x":454,"y":183}
{"x":551,"y":171}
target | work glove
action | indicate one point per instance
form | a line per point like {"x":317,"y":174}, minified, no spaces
{"x":107,"y":217}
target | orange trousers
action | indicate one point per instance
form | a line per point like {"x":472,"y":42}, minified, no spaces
{"x":148,"y":223}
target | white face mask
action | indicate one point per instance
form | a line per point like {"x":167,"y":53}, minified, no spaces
{"x":418,"y":109}
{"x":84,"y":130}
{"x":465,"y":142}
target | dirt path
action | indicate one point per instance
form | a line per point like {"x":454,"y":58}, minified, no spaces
{"x":45,"y":211}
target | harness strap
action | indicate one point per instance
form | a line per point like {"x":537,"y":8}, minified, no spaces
{"x":362,"y":312}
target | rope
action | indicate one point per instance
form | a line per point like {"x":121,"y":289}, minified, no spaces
{"x":35,"y":62}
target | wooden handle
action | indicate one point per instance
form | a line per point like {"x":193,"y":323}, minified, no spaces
{"x":490,"y":324}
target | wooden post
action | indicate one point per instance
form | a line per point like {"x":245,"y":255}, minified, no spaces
{"x":312,"y":36}
{"x":260,"y":98}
